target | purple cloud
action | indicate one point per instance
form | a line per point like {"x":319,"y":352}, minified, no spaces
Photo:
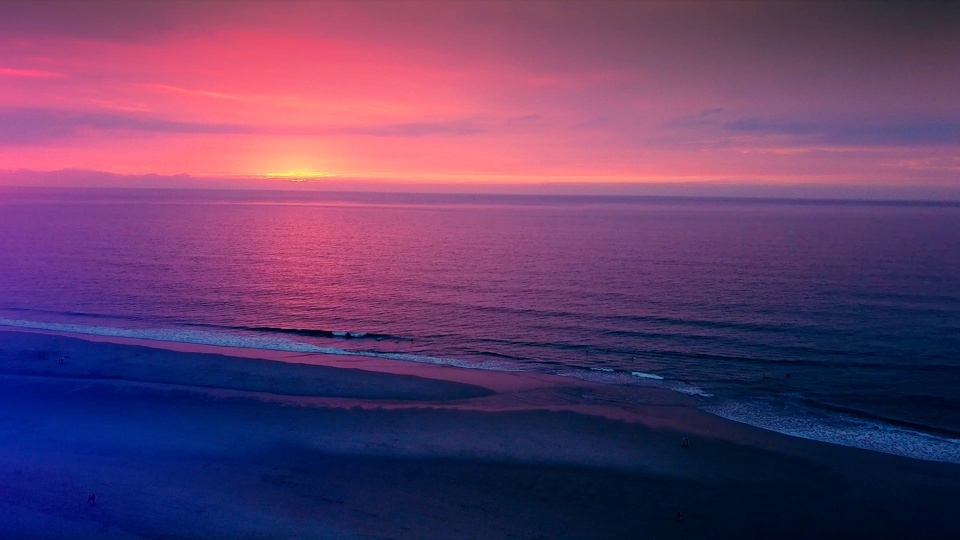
{"x":36,"y":126}
{"x":857,"y":134}
{"x":31,"y":126}
{"x":457,"y":126}
{"x":415,"y":129}
{"x":706,"y":117}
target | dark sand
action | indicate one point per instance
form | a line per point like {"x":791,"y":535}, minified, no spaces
{"x":180,"y":444}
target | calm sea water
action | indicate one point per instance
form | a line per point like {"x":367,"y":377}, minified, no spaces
{"x":834,"y":321}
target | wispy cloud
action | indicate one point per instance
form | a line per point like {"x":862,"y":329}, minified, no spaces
{"x":453,"y":127}
{"x":755,"y":125}
{"x":37,"y":126}
{"x":855,"y":133}
{"x":31,"y":126}
{"x":946,"y":163}
{"x":413,"y":129}
{"x":706,"y":117}
{"x":194,"y":92}
{"x":31,"y":73}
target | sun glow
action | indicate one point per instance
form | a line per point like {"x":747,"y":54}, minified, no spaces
{"x":297,"y":176}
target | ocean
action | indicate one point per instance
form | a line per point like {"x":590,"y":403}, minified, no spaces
{"x":831,"y":320}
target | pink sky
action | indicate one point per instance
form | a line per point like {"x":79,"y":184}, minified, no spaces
{"x":838,"y":94}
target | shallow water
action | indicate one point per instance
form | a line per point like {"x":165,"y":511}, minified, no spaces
{"x":841,"y":318}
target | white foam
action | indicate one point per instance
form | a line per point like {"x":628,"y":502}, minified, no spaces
{"x":841,"y":429}
{"x":272,"y":343}
{"x":198,"y":337}
{"x":275,"y":343}
{"x":636,"y":378}
{"x":486,"y":365}
{"x":338,"y":333}
{"x":688,"y":389}
{"x":598,"y":376}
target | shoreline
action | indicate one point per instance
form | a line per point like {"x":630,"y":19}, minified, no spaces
{"x":502,"y":391}
{"x":494,"y":380}
{"x":535,"y":390}
{"x":287,"y":349}
{"x":196,"y":444}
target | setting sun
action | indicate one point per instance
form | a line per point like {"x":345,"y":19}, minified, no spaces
{"x":458,"y":269}
{"x":298,"y":176}
{"x":428,"y":93}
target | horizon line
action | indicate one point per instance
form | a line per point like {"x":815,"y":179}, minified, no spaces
{"x":728,"y":188}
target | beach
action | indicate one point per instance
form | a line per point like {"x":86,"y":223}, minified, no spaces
{"x":479,"y":269}
{"x":186,"y":441}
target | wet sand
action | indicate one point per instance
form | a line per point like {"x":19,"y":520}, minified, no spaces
{"x":182,"y":441}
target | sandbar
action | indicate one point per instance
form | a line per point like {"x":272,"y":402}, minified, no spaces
{"x":183,"y":441}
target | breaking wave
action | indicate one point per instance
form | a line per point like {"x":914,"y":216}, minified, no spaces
{"x":842,"y":429}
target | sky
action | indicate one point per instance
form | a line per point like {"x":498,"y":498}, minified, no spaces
{"x":835,"y":95}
